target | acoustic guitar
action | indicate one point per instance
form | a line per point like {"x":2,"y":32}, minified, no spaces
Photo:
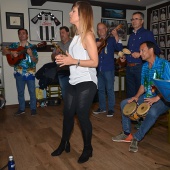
{"x":58,"y":47}
{"x":103,"y":41}
{"x":21,"y":53}
{"x":63,"y":68}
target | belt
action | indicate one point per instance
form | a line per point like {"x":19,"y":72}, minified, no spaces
{"x":132,"y":64}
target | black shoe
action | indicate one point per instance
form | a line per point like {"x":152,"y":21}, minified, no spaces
{"x":33,"y":112}
{"x":85,"y":155}
{"x":98,"y":111}
{"x":63,"y":146}
{"x":19,"y":112}
{"x":110,"y":113}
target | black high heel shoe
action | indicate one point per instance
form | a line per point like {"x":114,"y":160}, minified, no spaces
{"x":64,"y":145}
{"x":85,"y":155}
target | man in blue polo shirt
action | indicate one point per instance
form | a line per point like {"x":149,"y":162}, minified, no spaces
{"x":134,"y":61}
{"x":106,"y":68}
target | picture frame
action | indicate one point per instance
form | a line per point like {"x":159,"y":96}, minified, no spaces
{"x":162,"y":13}
{"x":168,"y":54}
{"x":112,"y":23}
{"x":130,"y":28}
{"x":156,"y":39}
{"x":14,"y":20}
{"x":162,"y":27}
{"x":168,"y":40}
{"x":44,"y":24}
{"x":113,"y":13}
{"x":168,"y":26}
{"x":169,"y":11}
{"x":155,"y":15}
{"x":155,"y":29}
{"x":163,"y":53}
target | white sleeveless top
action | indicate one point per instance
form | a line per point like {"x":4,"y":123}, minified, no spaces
{"x":80,"y":74}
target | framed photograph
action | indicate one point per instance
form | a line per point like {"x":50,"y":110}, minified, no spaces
{"x":162,"y":41}
{"x":113,"y":23}
{"x":156,"y":39}
{"x":168,"y":26}
{"x":113,"y":13}
{"x":163,"y":53}
{"x":168,"y":40}
{"x":44,"y":24}
{"x":162,"y":27}
{"x":169,"y":11}
{"x":14,"y":20}
{"x":130,"y":29}
{"x":168,"y":54}
{"x":163,"y":13}
{"x":155,"y":15}
{"x":155,"y":29}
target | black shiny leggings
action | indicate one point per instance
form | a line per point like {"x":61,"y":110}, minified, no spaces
{"x":78,"y":100}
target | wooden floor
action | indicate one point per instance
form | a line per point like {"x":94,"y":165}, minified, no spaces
{"x":31,"y":139}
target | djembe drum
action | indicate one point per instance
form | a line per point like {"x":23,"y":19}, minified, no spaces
{"x":142,"y":109}
{"x":130,"y":111}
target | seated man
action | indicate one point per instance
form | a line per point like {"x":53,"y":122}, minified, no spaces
{"x":153,"y":67}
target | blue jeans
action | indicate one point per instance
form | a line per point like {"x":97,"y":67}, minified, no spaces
{"x":106,"y":84}
{"x":154,"y":112}
{"x":133,"y":80}
{"x":64,"y":82}
{"x":20,"y":84}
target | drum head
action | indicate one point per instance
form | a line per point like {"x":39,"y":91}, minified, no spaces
{"x":143,"y":109}
{"x":129,"y":108}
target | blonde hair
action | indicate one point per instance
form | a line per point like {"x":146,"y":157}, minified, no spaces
{"x":85,"y":13}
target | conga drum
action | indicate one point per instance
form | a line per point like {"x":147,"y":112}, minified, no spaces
{"x":164,"y":88}
{"x":142,"y":109}
{"x":130,"y":111}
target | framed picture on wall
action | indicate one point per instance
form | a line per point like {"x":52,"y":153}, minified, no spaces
{"x":113,"y":23}
{"x":162,"y":27}
{"x":155,"y":15}
{"x":14,"y":20}
{"x":113,"y":13}
{"x":168,"y":26}
{"x":156,"y":39}
{"x":155,"y":29}
{"x":163,"y":53}
{"x":163,"y":13}
{"x":130,"y":29}
{"x":162,"y":41}
{"x":168,"y":54}
{"x":169,"y":11}
{"x":168,"y":40}
{"x":44,"y":24}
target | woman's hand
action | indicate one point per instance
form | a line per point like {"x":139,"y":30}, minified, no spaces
{"x":63,"y":60}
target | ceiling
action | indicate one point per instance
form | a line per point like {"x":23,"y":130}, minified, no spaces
{"x":125,"y":4}
{"x":132,"y":2}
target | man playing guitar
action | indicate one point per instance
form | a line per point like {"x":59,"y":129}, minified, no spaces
{"x":24,"y":70}
{"x":106,"y":68}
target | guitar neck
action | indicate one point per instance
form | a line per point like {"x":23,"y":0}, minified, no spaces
{"x":58,"y":47}
{"x":25,"y":49}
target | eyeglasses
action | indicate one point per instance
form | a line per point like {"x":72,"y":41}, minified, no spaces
{"x":136,"y":19}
